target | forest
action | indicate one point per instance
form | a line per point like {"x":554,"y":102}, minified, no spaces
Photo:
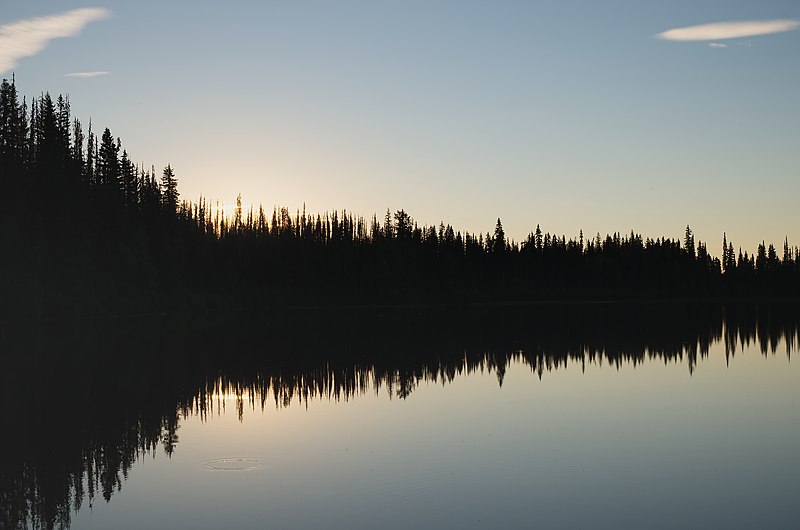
{"x":87,"y":232}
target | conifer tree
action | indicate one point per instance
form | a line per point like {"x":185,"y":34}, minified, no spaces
{"x":128,"y":180}
{"x":76,"y":150}
{"x":388,"y":229}
{"x":169,"y":190}
{"x":108,"y":166}
{"x":88,"y":170}
{"x":499,"y":239}
{"x":787,"y":256}
{"x":12,"y":138}
{"x":731,"y":257}
{"x":49,"y":146}
{"x":688,"y":242}
{"x":724,"y":252}
{"x":761,"y":258}
{"x":402,"y":224}
{"x":9,"y":109}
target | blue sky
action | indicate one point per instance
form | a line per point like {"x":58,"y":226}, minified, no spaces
{"x":569,"y":114}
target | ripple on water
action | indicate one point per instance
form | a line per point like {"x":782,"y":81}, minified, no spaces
{"x":235,"y":464}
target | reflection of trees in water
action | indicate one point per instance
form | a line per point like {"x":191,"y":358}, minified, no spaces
{"x":398,"y":377}
{"x":99,"y":403}
{"x":42,"y":483}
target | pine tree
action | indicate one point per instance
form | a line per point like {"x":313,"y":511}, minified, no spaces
{"x":731,"y":257}
{"x":31,"y":141}
{"x":13,"y":124}
{"x":128,"y":181}
{"x":76,"y":151}
{"x":724,"y":252}
{"x":787,"y":256}
{"x":63,"y":125}
{"x":761,"y":258}
{"x":403,"y":224}
{"x":8,"y":109}
{"x":772,"y":258}
{"x":499,"y":239}
{"x":108,"y":166}
{"x":50,"y":147}
{"x":169,"y":190}
{"x":388,"y":229}
{"x":688,"y":242}
{"x":12,"y":139}
{"x":88,"y":170}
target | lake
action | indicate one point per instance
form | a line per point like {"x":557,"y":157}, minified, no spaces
{"x":605,"y":415}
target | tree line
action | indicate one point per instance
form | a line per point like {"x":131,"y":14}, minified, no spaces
{"x":89,"y":231}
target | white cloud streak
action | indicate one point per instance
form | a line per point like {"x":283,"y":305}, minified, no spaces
{"x":24,"y":38}
{"x":86,"y":74}
{"x":717,"y":45}
{"x":729,"y":30}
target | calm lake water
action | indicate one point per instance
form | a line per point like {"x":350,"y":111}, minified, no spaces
{"x":689,"y":422}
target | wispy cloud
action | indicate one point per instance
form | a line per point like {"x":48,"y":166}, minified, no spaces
{"x":85,"y":74}
{"x":24,"y":38}
{"x":729,"y":30}
{"x":717,"y":45}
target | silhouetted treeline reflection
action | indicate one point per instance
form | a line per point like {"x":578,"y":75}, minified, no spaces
{"x":85,"y":402}
{"x":89,"y":232}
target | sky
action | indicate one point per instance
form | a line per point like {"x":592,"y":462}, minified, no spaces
{"x":605,"y":116}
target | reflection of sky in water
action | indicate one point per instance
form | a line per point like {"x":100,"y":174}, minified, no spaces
{"x":644,"y":446}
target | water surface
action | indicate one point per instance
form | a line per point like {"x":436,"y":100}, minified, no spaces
{"x":660,"y":421}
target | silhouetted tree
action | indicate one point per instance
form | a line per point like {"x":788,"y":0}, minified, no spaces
{"x":688,"y":242}
{"x":499,"y":240}
{"x":169,"y":190}
{"x":108,"y":174}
